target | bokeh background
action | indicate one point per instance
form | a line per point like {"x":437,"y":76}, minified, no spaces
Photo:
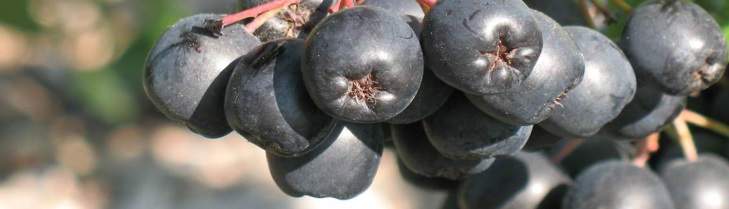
{"x":77,"y":132}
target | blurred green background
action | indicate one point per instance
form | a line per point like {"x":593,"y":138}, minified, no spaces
{"x":76,"y":130}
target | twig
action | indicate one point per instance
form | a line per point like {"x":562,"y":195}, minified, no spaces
{"x":256,"y":23}
{"x":623,"y":5}
{"x":685,"y":139}
{"x":646,"y":147}
{"x":604,"y":11}
{"x":566,"y":149}
{"x":336,"y":5}
{"x":347,"y":4}
{"x":585,"y":9}
{"x":701,"y":121}
{"x":426,"y":5}
{"x":255,"y":11}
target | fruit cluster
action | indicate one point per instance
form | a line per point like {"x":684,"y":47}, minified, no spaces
{"x":454,"y":84}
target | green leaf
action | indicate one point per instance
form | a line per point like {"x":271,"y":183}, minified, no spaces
{"x":105,"y":96}
{"x":726,"y":35}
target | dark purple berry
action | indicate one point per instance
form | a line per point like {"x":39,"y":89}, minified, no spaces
{"x":558,"y":70}
{"x":363,"y":65}
{"x":676,"y":44}
{"x":186,"y":72}
{"x":267,"y":102}
{"x":481,"y":46}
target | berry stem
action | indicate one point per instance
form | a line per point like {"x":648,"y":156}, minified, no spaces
{"x":685,"y":139}
{"x":256,"y":23}
{"x":255,"y":11}
{"x":426,"y":5}
{"x":346,"y":4}
{"x":604,"y":11}
{"x":623,"y":5}
{"x":565,"y":150}
{"x":336,"y":4}
{"x":586,"y":14}
{"x":701,"y":121}
{"x":646,"y":147}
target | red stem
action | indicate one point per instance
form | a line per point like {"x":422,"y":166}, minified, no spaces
{"x":430,"y":3}
{"x":426,"y":5}
{"x":646,"y":147}
{"x":260,"y":19}
{"x":347,"y":4}
{"x":335,"y":6}
{"x":566,"y":149}
{"x":255,"y":11}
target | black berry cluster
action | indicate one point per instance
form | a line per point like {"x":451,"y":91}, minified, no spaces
{"x":458,"y":86}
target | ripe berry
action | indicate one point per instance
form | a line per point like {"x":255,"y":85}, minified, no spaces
{"x":460,"y":131}
{"x":698,"y":184}
{"x":522,"y":181}
{"x":607,"y":86}
{"x":614,"y":184}
{"x":363,"y":65}
{"x":418,"y":155}
{"x":342,"y":167}
{"x":649,"y":112}
{"x":434,"y":183}
{"x":408,"y":9}
{"x":592,"y":151}
{"x":565,"y":12}
{"x":186,"y":72}
{"x":433,"y":93}
{"x":267,"y":103}
{"x":541,"y":139}
{"x":558,"y":70}
{"x":676,"y":44}
{"x":481,"y":46}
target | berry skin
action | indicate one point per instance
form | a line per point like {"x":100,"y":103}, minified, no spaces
{"x":565,"y":12}
{"x":363,"y":65}
{"x":614,"y":184}
{"x":523,"y":181}
{"x":481,"y":46}
{"x":433,"y":93}
{"x":650,"y":111}
{"x":267,"y":103}
{"x":559,"y":69}
{"x":460,"y":131}
{"x":341,"y":167}
{"x":429,"y":183}
{"x":699,"y":184}
{"x":592,"y":151}
{"x":186,"y":72}
{"x":418,"y":155}
{"x":675,"y":44}
{"x":541,"y":139}
{"x":408,"y":9}
{"x":607,"y":86}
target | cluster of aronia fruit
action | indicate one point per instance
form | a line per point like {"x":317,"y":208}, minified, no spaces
{"x":320,"y":85}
